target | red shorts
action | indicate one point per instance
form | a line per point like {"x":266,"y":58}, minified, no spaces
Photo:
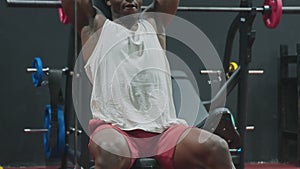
{"x":146,"y":144}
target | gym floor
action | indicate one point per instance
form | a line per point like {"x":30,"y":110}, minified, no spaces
{"x":247,"y":166}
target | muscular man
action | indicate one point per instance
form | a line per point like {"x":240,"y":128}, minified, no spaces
{"x":131,"y":100}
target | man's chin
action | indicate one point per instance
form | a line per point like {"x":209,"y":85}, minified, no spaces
{"x":130,"y":11}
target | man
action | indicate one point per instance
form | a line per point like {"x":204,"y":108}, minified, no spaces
{"x":131,"y":101}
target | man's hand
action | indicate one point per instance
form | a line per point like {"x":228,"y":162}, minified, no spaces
{"x":85,"y":12}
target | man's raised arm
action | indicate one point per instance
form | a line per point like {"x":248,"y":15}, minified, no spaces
{"x":85,"y":12}
{"x":164,"y":6}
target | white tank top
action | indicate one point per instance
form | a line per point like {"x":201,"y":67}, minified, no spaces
{"x":131,"y":79}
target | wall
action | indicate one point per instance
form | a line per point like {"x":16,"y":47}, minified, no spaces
{"x":25,"y":34}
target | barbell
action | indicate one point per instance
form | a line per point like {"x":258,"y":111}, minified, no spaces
{"x":34,"y":3}
{"x":59,"y":148}
{"x":37,"y":71}
{"x":53,"y":129}
{"x":272,"y":9}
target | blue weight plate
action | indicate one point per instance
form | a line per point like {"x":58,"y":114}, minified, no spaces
{"x":57,"y":151}
{"x":37,"y":77}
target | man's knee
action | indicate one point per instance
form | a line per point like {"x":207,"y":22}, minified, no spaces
{"x":219,"y":152}
{"x":212,"y":150}
{"x":219,"y":144}
{"x":199,"y":148}
{"x":109,"y":149}
{"x":111,"y":141}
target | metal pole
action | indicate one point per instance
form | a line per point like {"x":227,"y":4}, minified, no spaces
{"x":35,"y":130}
{"x":291,"y":9}
{"x":33,"y":3}
{"x":222,"y":9}
{"x":298,"y":106}
{"x":75,"y":57}
{"x":35,"y":70}
{"x":245,"y":54}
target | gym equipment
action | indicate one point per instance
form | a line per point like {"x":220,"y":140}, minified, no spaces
{"x":232,"y":68}
{"x":37,"y":76}
{"x":59,"y":149}
{"x":54,"y":125}
{"x":145,"y":163}
{"x":37,"y":72}
{"x":289,"y":105}
{"x":238,"y":75}
{"x":63,"y":17}
{"x":34,"y":3}
{"x":222,"y":118}
{"x":225,"y":129}
{"x":271,"y":10}
{"x":272,"y":19}
{"x":218,"y":72}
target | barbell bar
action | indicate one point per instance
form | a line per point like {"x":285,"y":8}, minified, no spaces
{"x":59,"y":148}
{"x":35,"y":131}
{"x":264,"y":9}
{"x":33,"y":3}
{"x":37,"y":70}
{"x":57,"y":4}
{"x":272,"y":9}
{"x":32,"y":70}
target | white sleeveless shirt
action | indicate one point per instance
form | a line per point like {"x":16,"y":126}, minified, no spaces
{"x":131,"y":79}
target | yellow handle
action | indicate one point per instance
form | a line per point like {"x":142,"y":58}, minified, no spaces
{"x":233,"y":66}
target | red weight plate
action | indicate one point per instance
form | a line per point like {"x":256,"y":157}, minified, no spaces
{"x":272,"y":19}
{"x":63,"y":16}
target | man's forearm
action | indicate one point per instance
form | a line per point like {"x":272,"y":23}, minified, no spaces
{"x":165,"y":6}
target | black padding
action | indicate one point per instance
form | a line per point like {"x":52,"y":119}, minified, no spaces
{"x":145,"y":163}
{"x":220,"y":123}
{"x":56,"y":99}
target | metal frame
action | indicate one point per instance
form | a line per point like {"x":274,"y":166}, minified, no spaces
{"x":286,"y":133}
{"x":242,"y":23}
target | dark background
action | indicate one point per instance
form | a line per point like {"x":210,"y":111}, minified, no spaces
{"x":29,"y":32}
